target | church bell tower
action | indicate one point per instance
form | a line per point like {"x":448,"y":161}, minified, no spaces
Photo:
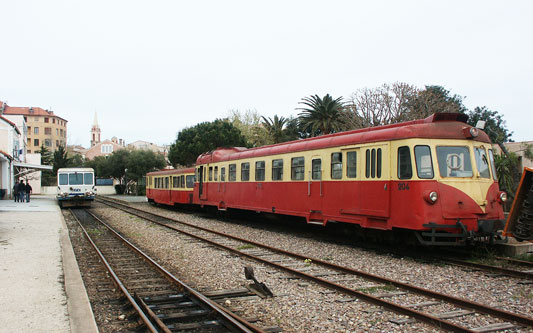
{"x":95,"y":132}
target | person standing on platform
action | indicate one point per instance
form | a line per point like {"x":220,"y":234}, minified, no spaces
{"x":28,"y":191}
{"x":16,"y":192}
{"x":22,"y":191}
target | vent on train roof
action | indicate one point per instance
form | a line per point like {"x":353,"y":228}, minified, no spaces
{"x":447,"y":116}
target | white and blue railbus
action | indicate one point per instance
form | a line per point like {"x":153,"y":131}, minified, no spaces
{"x":75,"y":187}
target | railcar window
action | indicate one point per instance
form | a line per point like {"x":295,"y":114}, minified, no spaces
{"x":336,"y":165}
{"x":175,"y":182}
{"x":245,"y":172}
{"x":454,"y":161}
{"x":75,"y":178}
{"x":351,"y":164}
{"x":405,"y":169}
{"x":222,"y":174}
{"x":277,"y":170}
{"x":260,"y":171}
{"x":297,"y":168}
{"x":232,"y":172}
{"x":216,"y":173}
{"x":190,"y":181}
{"x":88,"y":179}
{"x":492,"y":165}
{"x":316,"y":166}
{"x":378,"y":171}
{"x":210,"y":173}
{"x":424,"y":163}
{"x":367,"y":169}
{"x":63,"y":179}
{"x":182,"y":181}
{"x":373,"y":164}
{"x":166,"y":182}
{"x":482,"y":162}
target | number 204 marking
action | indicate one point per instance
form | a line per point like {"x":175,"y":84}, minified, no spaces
{"x":403,"y":186}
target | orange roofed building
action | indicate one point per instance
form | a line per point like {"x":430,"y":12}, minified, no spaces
{"x":44,"y":127}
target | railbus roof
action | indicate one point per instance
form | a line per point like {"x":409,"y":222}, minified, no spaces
{"x":436,"y":126}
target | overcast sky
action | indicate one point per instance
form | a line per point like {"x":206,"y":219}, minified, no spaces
{"x":151,"y":68}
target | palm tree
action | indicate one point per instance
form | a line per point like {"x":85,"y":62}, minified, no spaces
{"x":321,"y":114}
{"x":274,"y":128}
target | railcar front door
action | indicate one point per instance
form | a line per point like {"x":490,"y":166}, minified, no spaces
{"x":314,"y":189}
{"x":202,"y":185}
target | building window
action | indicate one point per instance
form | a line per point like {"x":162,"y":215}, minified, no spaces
{"x":53,"y":121}
{"x":46,"y":120}
{"x":47,"y":131}
{"x":277,"y":170}
{"x":29,"y":151}
{"x":36,"y":142}
{"x":57,"y":143}
{"x":106,"y":149}
{"x":48,"y":143}
{"x":297,"y":168}
{"x":57,"y":131}
{"x":36,"y":130}
{"x":245,"y":172}
{"x":260,"y":171}
{"x":29,"y":129}
{"x":29,"y":142}
{"x":336,"y":166}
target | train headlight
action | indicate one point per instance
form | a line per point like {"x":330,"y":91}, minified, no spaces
{"x":474,"y":132}
{"x":503,"y":196}
{"x":431,"y":197}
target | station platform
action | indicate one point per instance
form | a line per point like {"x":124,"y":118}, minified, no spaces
{"x":41,"y":286}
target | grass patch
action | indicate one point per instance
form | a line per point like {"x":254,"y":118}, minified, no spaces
{"x":246,"y":246}
{"x":94,"y":232}
{"x":524,"y":257}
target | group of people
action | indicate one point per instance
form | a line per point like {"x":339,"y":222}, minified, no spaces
{"x":22,"y":191}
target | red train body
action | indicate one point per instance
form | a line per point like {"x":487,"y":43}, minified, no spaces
{"x":434,"y":176}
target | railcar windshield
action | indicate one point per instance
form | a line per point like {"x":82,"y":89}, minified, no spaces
{"x":482,"y":162}
{"x":88,"y":178}
{"x":75,"y":178}
{"x":63,"y":179}
{"x":454,"y":161}
{"x":492,"y":165}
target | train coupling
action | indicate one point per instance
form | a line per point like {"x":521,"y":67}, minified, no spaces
{"x":258,"y":287}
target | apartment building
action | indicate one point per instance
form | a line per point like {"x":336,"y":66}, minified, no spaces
{"x":44,"y":127}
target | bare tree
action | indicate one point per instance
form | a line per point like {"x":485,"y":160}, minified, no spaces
{"x":387,"y":104}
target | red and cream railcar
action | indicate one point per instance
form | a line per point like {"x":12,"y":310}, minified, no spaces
{"x":170,"y":187}
{"x":435,"y":176}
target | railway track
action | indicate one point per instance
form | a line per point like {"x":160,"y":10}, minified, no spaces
{"x":443,"y":311}
{"x":159,"y":301}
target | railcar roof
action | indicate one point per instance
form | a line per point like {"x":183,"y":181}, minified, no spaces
{"x":171,"y":172}
{"x":437,"y":126}
{"x":75,"y":170}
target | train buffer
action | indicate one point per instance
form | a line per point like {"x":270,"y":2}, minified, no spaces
{"x":520,"y":220}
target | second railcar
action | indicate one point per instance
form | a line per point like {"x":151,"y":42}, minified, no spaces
{"x":170,"y":187}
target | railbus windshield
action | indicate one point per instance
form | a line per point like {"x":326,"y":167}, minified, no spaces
{"x":454,"y":161}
